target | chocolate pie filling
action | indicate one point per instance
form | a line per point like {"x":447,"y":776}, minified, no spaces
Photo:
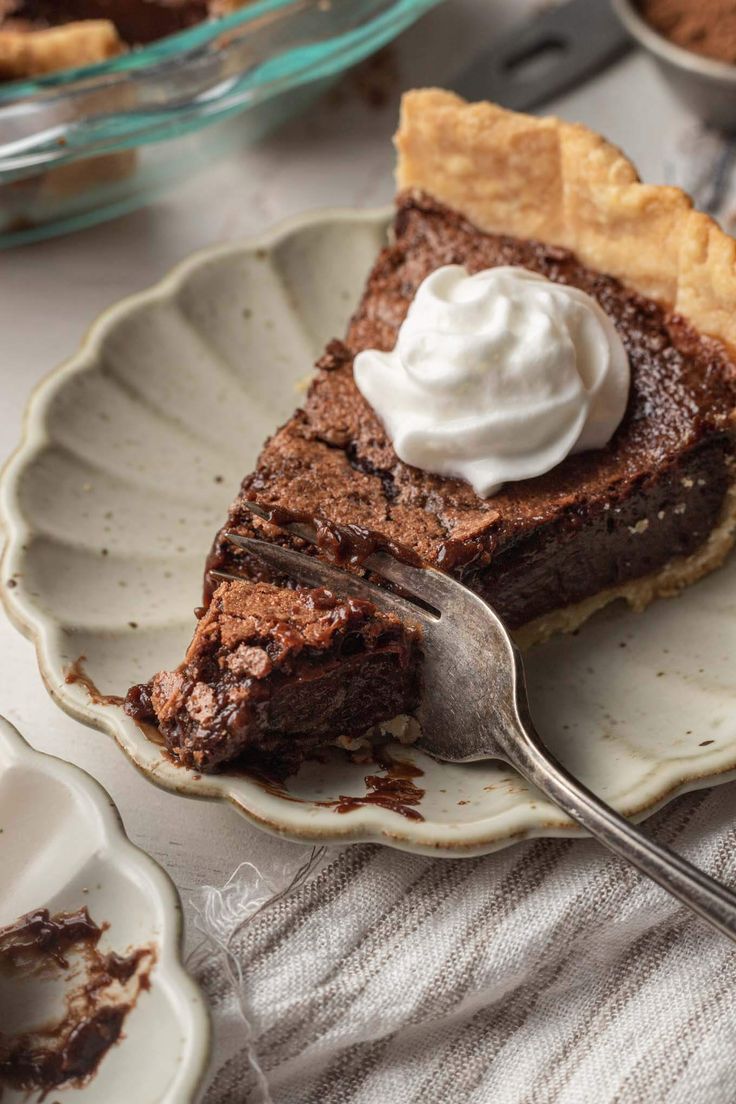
{"x":273,"y":673}
{"x":598,"y":519}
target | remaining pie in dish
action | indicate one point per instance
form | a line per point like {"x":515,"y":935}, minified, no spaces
{"x":651,"y":511}
{"x":44,"y":36}
{"x":29,"y":52}
{"x":41,"y":37}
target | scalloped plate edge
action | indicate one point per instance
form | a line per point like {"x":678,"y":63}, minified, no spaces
{"x":365,"y":824}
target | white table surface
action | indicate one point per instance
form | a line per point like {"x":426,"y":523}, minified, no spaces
{"x":49,"y":293}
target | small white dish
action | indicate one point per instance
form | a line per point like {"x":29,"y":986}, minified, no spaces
{"x":131,"y":454}
{"x":62,"y":847}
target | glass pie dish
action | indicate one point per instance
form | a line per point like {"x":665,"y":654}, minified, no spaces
{"x":80,"y":146}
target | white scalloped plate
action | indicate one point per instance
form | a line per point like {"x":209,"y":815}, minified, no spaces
{"x":131,"y":454}
{"x":62,"y":846}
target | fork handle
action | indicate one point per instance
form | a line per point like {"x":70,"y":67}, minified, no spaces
{"x":711,"y":900}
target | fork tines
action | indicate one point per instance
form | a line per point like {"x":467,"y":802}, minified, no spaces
{"x":309,"y":571}
{"x":427,"y":585}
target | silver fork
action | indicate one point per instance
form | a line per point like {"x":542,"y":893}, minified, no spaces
{"x":475,"y":703}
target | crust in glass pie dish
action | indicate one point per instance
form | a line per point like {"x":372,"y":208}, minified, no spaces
{"x":44,"y":36}
{"x":31,"y":53}
{"x":26,"y":52}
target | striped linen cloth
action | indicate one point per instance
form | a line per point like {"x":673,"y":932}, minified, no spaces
{"x":547,"y":973}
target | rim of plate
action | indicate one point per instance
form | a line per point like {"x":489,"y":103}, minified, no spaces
{"x":189,"y":1003}
{"x":667,"y":781}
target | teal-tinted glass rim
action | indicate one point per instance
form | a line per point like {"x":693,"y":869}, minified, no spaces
{"x":144,"y":57}
{"x":292,"y":42}
{"x":175,"y":46}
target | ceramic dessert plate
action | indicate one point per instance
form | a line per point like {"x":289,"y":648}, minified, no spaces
{"x":132,"y":452}
{"x":62,"y":847}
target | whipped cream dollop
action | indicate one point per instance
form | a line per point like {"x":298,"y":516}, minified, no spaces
{"x":497,"y":377}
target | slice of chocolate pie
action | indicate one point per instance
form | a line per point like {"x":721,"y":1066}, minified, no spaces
{"x":653,"y":510}
{"x":548,"y":343}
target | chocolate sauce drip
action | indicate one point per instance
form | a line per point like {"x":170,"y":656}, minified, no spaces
{"x":76,"y":673}
{"x":345,"y":545}
{"x":69,"y":1056}
{"x":395,"y":790}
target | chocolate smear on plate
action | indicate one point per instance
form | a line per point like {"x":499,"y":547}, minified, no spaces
{"x":100,"y":989}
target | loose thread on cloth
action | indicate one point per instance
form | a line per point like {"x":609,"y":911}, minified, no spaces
{"x":222,"y":913}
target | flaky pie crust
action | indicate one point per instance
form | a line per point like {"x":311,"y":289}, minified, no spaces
{"x":563,"y":184}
